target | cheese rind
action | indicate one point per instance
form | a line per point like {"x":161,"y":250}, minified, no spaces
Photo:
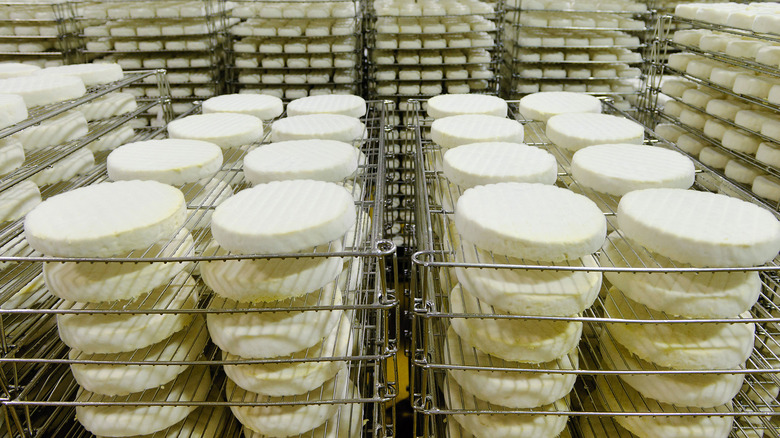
{"x":19,"y":200}
{"x":168,"y":161}
{"x":90,"y":74}
{"x":453,"y":131}
{"x":488,"y":163}
{"x":346,"y":423}
{"x":578,"y":130}
{"x":319,"y":160}
{"x":446,"y":105}
{"x":37,"y":90}
{"x":77,"y":163}
{"x":261,"y":106}
{"x":12,"y":110}
{"x":343,"y":104}
{"x":317,"y":126}
{"x":226,"y":130}
{"x":13,"y":70}
{"x":11,"y":155}
{"x":703,"y":229}
{"x":541,"y":106}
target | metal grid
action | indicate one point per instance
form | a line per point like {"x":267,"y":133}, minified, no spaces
{"x":433,"y":277}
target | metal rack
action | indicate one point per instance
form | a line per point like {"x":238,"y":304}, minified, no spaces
{"x":44,"y":34}
{"x":39,"y":394}
{"x":433,"y":276}
{"x":304,"y":48}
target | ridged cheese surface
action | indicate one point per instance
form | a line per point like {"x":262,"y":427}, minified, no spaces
{"x":530,"y":221}
{"x":346,"y":423}
{"x":344,"y":104}
{"x":19,"y":200}
{"x":77,"y":163}
{"x":447,"y":105}
{"x":541,"y":106}
{"x":11,"y":155}
{"x":39,"y":90}
{"x":453,"y":131}
{"x":261,"y":106}
{"x":55,"y":131}
{"x":105,"y":219}
{"x":578,"y":130}
{"x":169,"y":161}
{"x":90,"y":74}
{"x":13,"y":70}
{"x":487,"y":163}
{"x":617,"y":169}
{"x":110,"y":105}
{"x":700,"y":228}
{"x":317,"y":126}
{"x":283,"y":216}
{"x":12,"y":110}
{"x":319,"y":160}
{"x":226,"y":130}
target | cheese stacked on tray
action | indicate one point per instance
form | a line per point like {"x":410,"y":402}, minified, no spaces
{"x":675,"y":228}
{"x":124,"y":219}
{"x":38,"y":28}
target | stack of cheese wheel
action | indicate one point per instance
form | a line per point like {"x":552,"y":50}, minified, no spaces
{"x":675,"y":228}
{"x":282,"y":217}
{"x":574,"y":131}
{"x":125,"y":219}
{"x":522,"y":224}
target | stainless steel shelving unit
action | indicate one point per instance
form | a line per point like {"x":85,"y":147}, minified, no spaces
{"x":41,"y":33}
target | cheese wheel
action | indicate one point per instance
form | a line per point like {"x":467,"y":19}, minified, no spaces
{"x":204,"y":422}
{"x":129,"y":420}
{"x":263,"y":107}
{"x":262,"y":334}
{"x":541,"y":106}
{"x":513,"y":389}
{"x":318,"y":126}
{"x":344,"y":104}
{"x":519,"y":340}
{"x":503,"y":425}
{"x":226,"y":130}
{"x":283,"y":216}
{"x":104,"y":282}
{"x":700,"y":228}
{"x":622,"y":398}
{"x":54,"y":131}
{"x":90,"y":74}
{"x":617,"y":169}
{"x":694,"y":346}
{"x":168,"y":161}
{"x":12,"y":110}
{"x":530,"y":221}
{"x":696,"y":390}
{"x":77,"y":163}
{"x":11,"y":155}
{"x":447,"y":105}
{"x":293,"y":378}
{"x":13,"y":70}
{"x":578,"y":130}
{"x":528,"y":292}
{"x":38,"y":90}
{"x":105,"y":219}
{"x":319,"y":160}
{"x":112,"y":139}
{"x":117,"y":333}
{"x":669,"y":132}
{"x":768,"y":154}
{"x":691,"y":294}
{"x":767,"y":187}
{"x":347,"y":423}
{"x":19,"y":200}
{"x":453,"y":131}
{"x":109,"y":379}
{"x":110,"y":105}
{"x":202,"y":198}
{"x":487,"y":163}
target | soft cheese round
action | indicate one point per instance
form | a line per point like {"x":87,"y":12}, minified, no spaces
{"x":117,"y":333}
{"x":541,"y":106}
{"x":319,"y":160}
{"x":11,"y":155}
{"x":38,"y":90}
{"x":488,"y":163}
{"x":13,"y":70}
{"x":19,"y":200}
{"x":12,"y":110}
{"x":700,"y":228}
{"x":207,"y":421}
{"x":226,"y":130}
{"x":721,"y":294}
{"x":169,"y":161}
{"x":519,"y":340}
{"x":344,"y":104}
{"x":262,"y":106}
{"x":79,"y":162}
{"x":317,"y":126}
{"x":575,"y":131}
{"x":283,"y":216}
{"x":694,"y":346}
{"x":529,"y":292}
{"x":520,"y":390}
{"x":530,"y":221}
{"x":130,"y":420}
{"x":273,"y":334}
{"x":453,"y":131}
{"x":446,"y":105}
{"x":347,"y":423}
{"x":109,"y":379}
{"x":54,"y":131}
{"x":105,"y":219}
{"x":90,"y":74}
{"x":617,"y":169}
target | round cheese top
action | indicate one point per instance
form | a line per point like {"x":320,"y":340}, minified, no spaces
{"x":319,"y":160}
{"x":262,"y":106}
{"x":283,"y":216}
{"x":446,"y":105}
{"x":38,"y":90}
{"x":487,"y":163}
{"x":169,"y":161}
{"x":530,"y":221}
{"x":453,"y":131}
{"x":226,"y":130}
{"x":344,"y":104}
{"x":543,"y":105}
{"x":317,"y":126}
{"x":575,"y":131}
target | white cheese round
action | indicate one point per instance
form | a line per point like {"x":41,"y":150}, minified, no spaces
{"x":447,"y":105}
{"x":346,"y":423}
{"x":343,"y":104}
{"x":12,"y":110}
{"x":53,"y":132}
{"x":38,"y":90}
{"x":319,"y":160}
{"x":487,"y":163}
{"x":768,"y":154}
{"x":168,"y":161}
{"x":13,"y":70}
{"x":578,"y":130}
{"x":226,"y":130}
{"x":518,"y":340}
{"x":105,"y":219}
{"x":262,"y":106}
{"x":767,"y":187}
{"x":110,"y":105}
{"x":19,"y":200}
{"x":77,"y":163}
{"x":700,"y":228}
{"x":541,"y":106}
{"x":453,"y":131}
{"x":530,"y":221}
{"x":617,"y":169}
{"x":283,"y":216}
{"x":11,"y":155}
{"x":317,"y":126}
{"x":90,"y":74}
